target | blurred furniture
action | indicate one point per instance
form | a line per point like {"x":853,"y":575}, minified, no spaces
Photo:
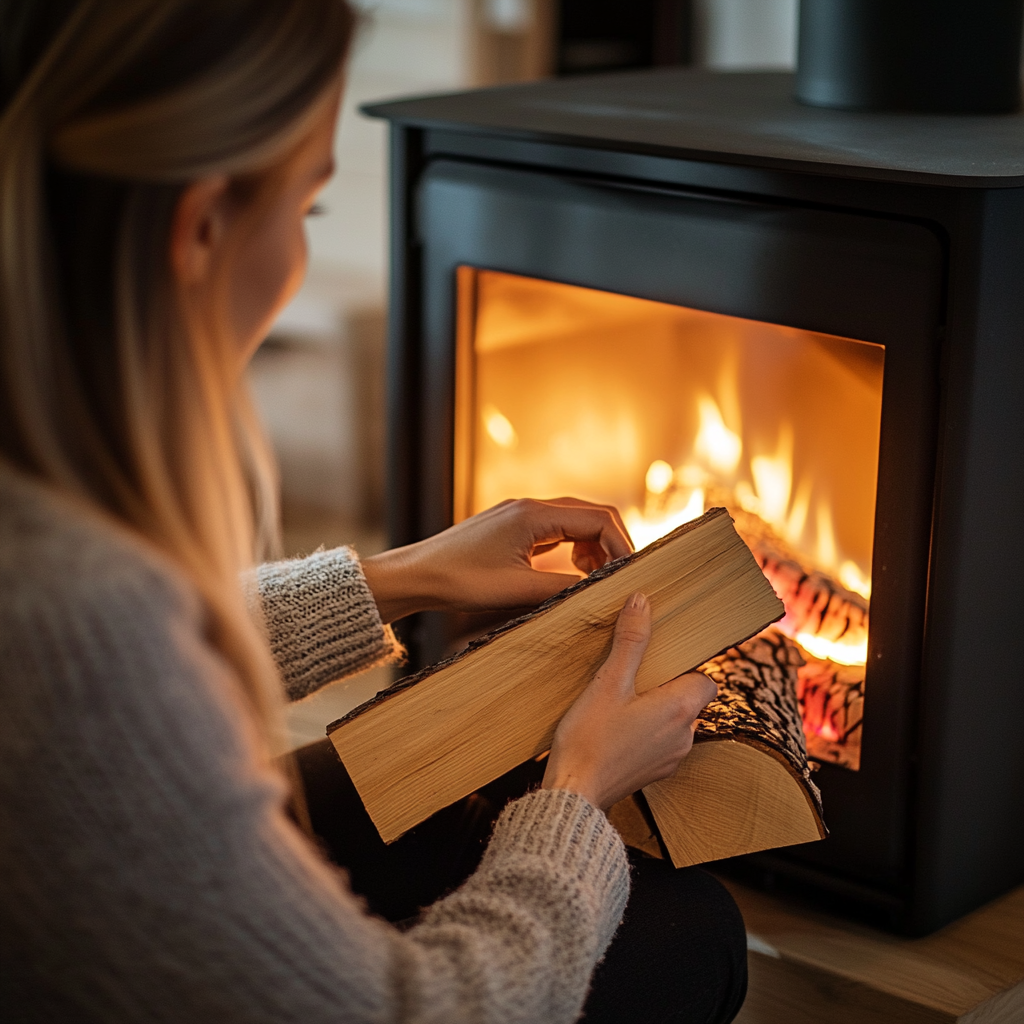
{"x":523,"y":40}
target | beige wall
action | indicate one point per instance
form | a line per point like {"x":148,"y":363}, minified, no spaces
{"x":319,"y":381}
{"x":405,"y":47}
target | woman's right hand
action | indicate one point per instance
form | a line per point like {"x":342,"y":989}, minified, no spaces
{"x":613,"y":741}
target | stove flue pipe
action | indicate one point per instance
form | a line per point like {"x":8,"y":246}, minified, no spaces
{"x":942,"y":56}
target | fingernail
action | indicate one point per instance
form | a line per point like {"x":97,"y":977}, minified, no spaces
{"x":638,"y":601}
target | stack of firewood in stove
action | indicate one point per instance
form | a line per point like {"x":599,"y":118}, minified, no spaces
{"x":823,"y":615}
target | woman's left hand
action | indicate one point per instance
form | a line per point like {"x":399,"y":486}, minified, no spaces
{"x":483,"y":563}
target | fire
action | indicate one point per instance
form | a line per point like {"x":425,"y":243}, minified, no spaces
{"x":834,"y":650}
{"x":825,"y":729}
{"x":675,"y":495}
{"x":664,"y":411}
{"x":852,"y":578}
{"x":645,"y":530}
{"x":716,"y":445}
{"x":773,"y":481}
{"x":826,"y":548}
{"x":499,"y":427}
{"x":659,"y":477}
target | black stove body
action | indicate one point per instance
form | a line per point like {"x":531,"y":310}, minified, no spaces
{"x":721,"y":193}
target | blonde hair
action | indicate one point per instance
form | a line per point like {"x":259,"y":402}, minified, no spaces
{"x":110,"y":109}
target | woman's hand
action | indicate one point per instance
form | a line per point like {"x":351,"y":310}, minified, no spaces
{"x":612,"y":741}
{"x":483,"y":563}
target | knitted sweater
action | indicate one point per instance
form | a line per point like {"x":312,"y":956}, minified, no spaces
{"x":149,"y":872}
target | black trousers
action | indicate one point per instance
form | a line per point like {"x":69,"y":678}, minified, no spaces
{"x":680,"y":954}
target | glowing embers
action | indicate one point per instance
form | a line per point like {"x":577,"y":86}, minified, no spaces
{"x":828,"y":624}
{"x":664,"y":412}
{"x":832,"y":706}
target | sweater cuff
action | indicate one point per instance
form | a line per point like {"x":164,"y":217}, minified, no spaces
{"x":322,"y":621}
{"x":564,"y":827}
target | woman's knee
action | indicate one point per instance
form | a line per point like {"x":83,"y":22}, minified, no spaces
{"x":679,"y":956}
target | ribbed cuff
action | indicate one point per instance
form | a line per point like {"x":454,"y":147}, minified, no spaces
{"x":564,"y":827}
{"x":322,"y":620}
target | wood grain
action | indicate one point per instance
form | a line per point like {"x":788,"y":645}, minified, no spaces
{"x":630,"y":823}
{"x":418,"y":748}
{"x":731,"y":797}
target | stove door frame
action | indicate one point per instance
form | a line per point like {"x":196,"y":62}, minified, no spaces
{"x":879,"y":279}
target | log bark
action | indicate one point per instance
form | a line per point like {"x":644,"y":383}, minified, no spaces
{"x":832,"y":701}
{"x":815,"y":602}
{"x":444,"y":732}
{"x":757,"y":700}
{"x":746,"y":785}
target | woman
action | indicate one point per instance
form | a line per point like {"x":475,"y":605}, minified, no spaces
{"x":157,"y":158}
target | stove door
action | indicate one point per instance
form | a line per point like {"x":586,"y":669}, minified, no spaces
{"x":850,"y":292}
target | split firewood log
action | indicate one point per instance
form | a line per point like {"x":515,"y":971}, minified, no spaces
{"x":757,"y":699}
{"x":749,"y":755}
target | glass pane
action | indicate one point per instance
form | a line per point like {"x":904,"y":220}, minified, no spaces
{"x":664,"y":412}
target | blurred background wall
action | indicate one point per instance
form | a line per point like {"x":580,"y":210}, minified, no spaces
{"x":319,"y":377}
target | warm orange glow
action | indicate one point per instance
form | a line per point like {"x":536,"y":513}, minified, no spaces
{"x":499,"y":427}
{"x":644,"y":529}
{"x":834,"y":650}
{"x":659,"y":477}
{"x":664,"y":412}
{"x":851,"y":577}
{"x":773,"y":480}
{"x":675,"y":496}
{"x":716,"y":445}
{"x":826,"y":547}
{"x":826,"y":731}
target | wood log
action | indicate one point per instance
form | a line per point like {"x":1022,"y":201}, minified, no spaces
{"x":746,"y":785}
{"x":444,"y":732}
{"x":815,"y":602}
{"x":636,"y":828}
{"x":831,"y":696}
{"x":832,"y":703}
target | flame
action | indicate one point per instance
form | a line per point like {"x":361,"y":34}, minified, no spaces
{"x":779,"y":422}
{"x":659,"y":477}
{"x":716,"y":445}
{"x":826,"y":552}
{"x":797,"y":518}
{"x":852,"y":578}
{"x":675,"y":496}
{"x":834,"y":650}
{"x":499,"y":427}
{"x":773,"y":480}
{"x":644,"y":529}
{"x":825,"y":729}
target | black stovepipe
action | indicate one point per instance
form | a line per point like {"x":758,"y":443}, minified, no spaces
{"x":942,"y":56}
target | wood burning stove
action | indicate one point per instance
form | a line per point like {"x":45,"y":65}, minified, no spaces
{"x":673,"y":289}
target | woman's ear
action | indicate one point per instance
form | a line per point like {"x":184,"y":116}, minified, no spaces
{"x":198,"y":229}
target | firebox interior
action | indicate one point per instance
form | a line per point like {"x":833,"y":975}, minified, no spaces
{"x":665,"y":411}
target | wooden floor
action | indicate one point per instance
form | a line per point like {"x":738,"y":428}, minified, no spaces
{"x":809,"y":968}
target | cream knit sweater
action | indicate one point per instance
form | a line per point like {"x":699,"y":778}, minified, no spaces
{"x":147,"y":869}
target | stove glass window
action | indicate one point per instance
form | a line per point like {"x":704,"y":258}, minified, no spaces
{"x":665,"y":412}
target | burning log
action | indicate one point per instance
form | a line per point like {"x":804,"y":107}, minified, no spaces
{"x":831,"y":694}
{"x":832,"y":699}
{"x":817,"y":605}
